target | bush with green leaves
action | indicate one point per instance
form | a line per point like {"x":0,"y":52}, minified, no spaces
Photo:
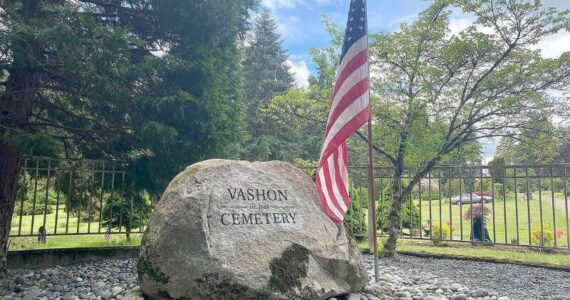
{"x":355,"y":218}
{"x":32,"y":190}
{"x":543,"y":237}
{"x":28,"y":209}
{"x":409,"y":214}
{"x":439,"y":234}
{"x":122,"y":211}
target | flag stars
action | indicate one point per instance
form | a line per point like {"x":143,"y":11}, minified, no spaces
{"x":356,"y":23}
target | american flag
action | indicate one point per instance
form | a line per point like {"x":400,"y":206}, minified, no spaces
{"x":350,"y":109}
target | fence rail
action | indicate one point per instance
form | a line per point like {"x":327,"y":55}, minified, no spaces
{"x":77,"y":197}
{"x":524,"y":205}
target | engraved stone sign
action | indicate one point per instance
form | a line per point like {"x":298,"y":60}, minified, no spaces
{"x":242,"y":230}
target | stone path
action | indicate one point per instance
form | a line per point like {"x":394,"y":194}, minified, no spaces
{"x":401,"y":278}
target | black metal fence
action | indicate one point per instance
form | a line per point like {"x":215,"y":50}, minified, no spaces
{"x":524,"y":205}
{"x":76,"y":197}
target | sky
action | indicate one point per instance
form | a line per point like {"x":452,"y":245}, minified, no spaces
{"x":300,"y":24}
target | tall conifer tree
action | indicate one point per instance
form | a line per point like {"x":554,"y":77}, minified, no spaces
{"x":267,"y":75}
{"x":80,"y":77}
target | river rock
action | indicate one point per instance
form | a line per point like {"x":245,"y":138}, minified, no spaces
{"x":246,"y":230}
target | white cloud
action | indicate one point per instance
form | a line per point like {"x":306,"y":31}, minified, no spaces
{"x":273,"y":4}
{"x":459,"y":24}
{"x":300,"y":71}
{"x":553,"y":46}
{"x":290,"y":27}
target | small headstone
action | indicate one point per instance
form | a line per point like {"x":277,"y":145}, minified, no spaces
{"x":240,"y":230}
{"x":42,"y":235}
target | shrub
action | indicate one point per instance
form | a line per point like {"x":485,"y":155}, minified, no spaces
{"x":120,"y":211}
{"x":544,"y":237}
{"x":307,"y":166}
{"x":28,"y":209}
{"x":476,"y":211}
{"x":452,"y":187}
{"x":26,"y":187}
{"x":409,"y":214}
{"x":355,"y":217}
{"x":438,"y":234}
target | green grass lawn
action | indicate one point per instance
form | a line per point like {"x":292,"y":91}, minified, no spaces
{"x":65,"y":223}
{"x":509,"y":219}
{"x":504,"y":230}
{"x":74,"y":241}
{"x":466,"y":250}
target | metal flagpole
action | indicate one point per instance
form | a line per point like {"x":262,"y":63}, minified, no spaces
{"x":371,"y":186}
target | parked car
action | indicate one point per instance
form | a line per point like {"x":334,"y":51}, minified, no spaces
{"x":470,"y":198}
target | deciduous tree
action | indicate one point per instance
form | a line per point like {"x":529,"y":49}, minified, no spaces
{"x":447,"y":90}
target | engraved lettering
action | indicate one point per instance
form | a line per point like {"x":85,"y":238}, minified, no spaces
{"x":282,"y":195}
{"x":235,"y":219}
{"x":246,"y":219}
{"x":250,"y":195}
{"x":276,"y":218}
{"x":222,"y":219}
{"x":293,"y":217}
{"x":271,"y":195}
{"x":232,"y":195}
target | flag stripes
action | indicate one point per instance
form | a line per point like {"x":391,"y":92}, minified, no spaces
{"x":350,"y":109}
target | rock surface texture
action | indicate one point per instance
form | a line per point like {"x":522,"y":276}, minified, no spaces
{"x":242,"y":230}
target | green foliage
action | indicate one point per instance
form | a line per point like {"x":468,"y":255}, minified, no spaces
{"x":439,"y":91}
{"x":483,"y":185}
{"x":119,"y":211}
{"x":158,"y":84}
{"x":544,"y":237}
{"x":302,"y":112}
{"x":451,"y":187}
{"x":439,"y":235}
{"x":355,"y":218}
{"x":476,"y":211}
{"x":538,"y":143}
{"x":308,"y":167}
{"x":497,"y":168}
{"x":32,"y":189}
{"x":28,"y":209}
{"x":266,"y":75}
{"x":409,"y":214}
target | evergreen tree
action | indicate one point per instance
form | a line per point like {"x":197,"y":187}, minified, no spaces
{"x":267,"y":75}
{"x":79,"y":78}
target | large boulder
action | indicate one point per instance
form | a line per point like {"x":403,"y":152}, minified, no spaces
{"x":242,"y":230}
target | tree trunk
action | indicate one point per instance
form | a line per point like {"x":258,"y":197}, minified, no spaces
{"x":395,"y":218}
{"x":10,"y":165}
{"x":15,"y":112}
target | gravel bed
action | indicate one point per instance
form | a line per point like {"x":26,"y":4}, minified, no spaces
{"x":514,"y":281}
{"x":402,"y":277}
{"x":105,"y":279}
